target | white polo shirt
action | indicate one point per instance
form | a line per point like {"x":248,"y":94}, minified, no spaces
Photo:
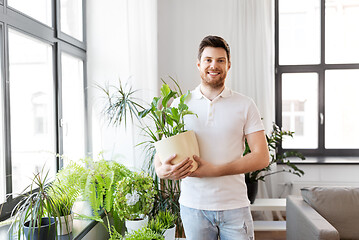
{"x":220,"y":129}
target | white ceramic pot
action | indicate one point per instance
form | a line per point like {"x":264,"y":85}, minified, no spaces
{"x":133,"y":225}
{"x":184,"y":145}
{"x":170,"y":234}
{"x":65,"y":224}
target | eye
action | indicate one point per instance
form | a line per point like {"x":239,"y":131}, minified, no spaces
{"x":208,"y":60}
{"x":221,"y":61}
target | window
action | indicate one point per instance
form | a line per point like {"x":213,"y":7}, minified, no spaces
{"x":39,"y":10}
{"x":317,"y":74}
{"x":30,"y":68}
{"x":71,"y":18}
{"x":42,"y":86}
{"x":73,"y":107}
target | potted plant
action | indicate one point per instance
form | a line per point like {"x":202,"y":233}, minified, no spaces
{"x":171,"y":135}
{"x":164,"y":223}
{"x":274,"y":140}
{"x":133,"y":200}
{"x":36,"y":215}
{"x":69,"y":180}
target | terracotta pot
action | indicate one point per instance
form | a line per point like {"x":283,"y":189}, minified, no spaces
{"x":133,"y":225}
{"x":184,"y":145}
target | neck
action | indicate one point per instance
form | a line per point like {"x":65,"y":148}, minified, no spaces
{"x":209,"y":92}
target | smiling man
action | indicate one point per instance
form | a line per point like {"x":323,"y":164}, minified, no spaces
{"x":214,"y":202}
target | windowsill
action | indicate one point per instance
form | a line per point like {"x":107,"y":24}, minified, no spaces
{"x":80,"y":228}
{"x":326,"y":160}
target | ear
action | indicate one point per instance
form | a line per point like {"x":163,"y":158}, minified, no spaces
{"x":229,"y":65}
{"x":198,"y":64}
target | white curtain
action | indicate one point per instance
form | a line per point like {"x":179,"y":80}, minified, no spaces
{"x":122,"y":44}
{"x":252,"y":39}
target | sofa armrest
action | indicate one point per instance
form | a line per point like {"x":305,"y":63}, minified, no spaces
{"x":303,"y":222}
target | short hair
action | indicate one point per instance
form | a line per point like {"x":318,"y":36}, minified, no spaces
{"x":213,"y":41}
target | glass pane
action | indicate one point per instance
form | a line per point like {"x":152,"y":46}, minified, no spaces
{"x":299,"y":32}
{"x":31,"y":108}
{"x":71,"y":18}
{"x":300,"y":109}
{"x":341,"y":108}
{"x":39,"y":10}
{"x":73,"y":107}
{"x":341,"y":31}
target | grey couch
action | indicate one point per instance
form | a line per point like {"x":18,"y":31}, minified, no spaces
{"x":327,"y":213}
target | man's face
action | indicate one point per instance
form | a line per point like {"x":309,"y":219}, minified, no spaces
{"x":213,"y":67}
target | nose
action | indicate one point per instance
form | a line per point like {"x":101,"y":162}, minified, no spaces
{"x":213,"y":64}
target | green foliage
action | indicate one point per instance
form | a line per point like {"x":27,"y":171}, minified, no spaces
{"x":134,"y":196}
{"x":101,"y":178}
{"x":168,"y":120}
{"x":166,"y":218}
{"x":274,"y":140}
{"x":70,"y":179}
{"x":36,"y":201}
{"x":162,"y":221}
{"x":143,"y":234}
{"x":121,"y":102}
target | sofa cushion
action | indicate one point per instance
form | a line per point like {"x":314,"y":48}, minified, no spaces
{"x":338,"y":205}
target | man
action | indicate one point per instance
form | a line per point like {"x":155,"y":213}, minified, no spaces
{"x":214,"y":200}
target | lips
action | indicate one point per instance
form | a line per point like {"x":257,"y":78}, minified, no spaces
{"x":213,"y":73}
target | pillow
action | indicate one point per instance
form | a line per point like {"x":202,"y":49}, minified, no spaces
{"x":338,"y":205}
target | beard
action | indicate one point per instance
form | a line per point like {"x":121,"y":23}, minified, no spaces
{"x":215,"y":83}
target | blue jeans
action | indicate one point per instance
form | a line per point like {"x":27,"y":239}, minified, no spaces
{"x":235,"y":224}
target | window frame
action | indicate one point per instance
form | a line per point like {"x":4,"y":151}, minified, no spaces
{"x":320,"y":69}
{"x":11,"y":18}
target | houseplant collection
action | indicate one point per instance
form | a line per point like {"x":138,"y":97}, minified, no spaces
{"x":274,"y":139}
{"x":164,"y":121}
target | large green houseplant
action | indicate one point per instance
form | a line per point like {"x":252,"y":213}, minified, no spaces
{"x":274,"y":140}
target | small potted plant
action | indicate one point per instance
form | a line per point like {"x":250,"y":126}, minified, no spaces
{"x":164,"y":223}
{"x":274,"y":140}
{"x":36,"y":215}
{"x":133,"y":200}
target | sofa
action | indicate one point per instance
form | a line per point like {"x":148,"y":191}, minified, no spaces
{"x":326,"y":213}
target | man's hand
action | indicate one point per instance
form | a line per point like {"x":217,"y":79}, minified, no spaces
{"x":178,"y":171}
{"x":205,"y":169}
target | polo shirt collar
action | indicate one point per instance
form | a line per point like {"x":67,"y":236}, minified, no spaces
{"x":197,"y":94}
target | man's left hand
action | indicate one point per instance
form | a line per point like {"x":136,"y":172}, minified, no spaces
{"x":205,"y":169}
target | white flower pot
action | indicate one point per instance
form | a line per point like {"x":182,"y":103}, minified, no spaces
{"x":65,"y":224}
{"x":133,"y":225}
{"x":170,"y":234}
{"x":184,"y":145}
